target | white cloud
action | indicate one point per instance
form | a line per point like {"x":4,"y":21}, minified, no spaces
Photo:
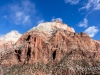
{"x":92,"y":4}
{"x":19,"y":14}
{"x":1,"y":35}
{"x":22,"y":13}
{"x":53,"y":19}
{"x":73,"y":2}
{"x":41,"y":21}
{"x":5,"y":16}
{"x":84,"y":23}
{"x":91,"y":31}
{"x":26,"y":19}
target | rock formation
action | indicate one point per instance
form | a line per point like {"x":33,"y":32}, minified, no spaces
{"x":52,"y":48}
{"x":6,"y":41}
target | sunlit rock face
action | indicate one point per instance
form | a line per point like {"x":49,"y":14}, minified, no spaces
{"x":6,"y":41}
{"x":52,"y":48}
{"x":50,"y":27}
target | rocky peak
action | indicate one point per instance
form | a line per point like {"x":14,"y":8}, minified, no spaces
{"x":9,"y":38}
{"x":51,"y":27}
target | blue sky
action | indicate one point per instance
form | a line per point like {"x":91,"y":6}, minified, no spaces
{"x":22,"y":15}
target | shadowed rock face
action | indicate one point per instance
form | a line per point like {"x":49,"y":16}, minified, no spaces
{"x":62,"y":52}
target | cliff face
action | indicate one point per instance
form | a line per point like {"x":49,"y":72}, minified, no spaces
{"x":58,"y":51}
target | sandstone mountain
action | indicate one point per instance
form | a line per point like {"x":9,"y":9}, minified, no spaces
{"x":52,"y":48}
{"x":6,"y":41}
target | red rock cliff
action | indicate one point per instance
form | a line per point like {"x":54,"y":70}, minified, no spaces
{"x":54,"y":51}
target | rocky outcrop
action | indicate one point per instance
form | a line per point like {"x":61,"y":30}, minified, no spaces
{"x":51,"y":27}
{"x":8,"y":40}
{"x":62,"y":52}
